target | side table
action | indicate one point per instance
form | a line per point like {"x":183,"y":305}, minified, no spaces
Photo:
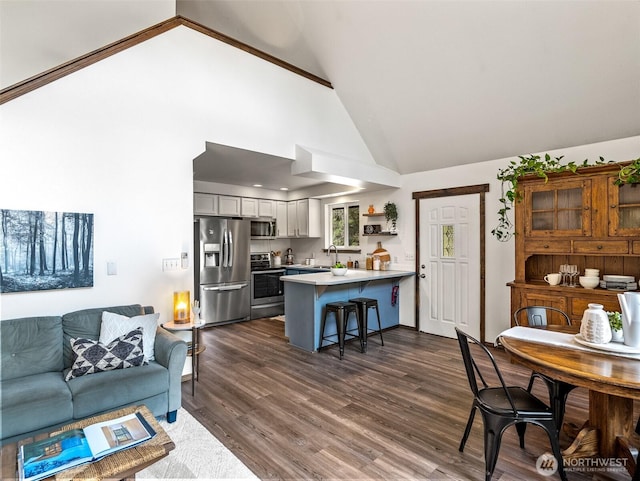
{"x":195,"y":347}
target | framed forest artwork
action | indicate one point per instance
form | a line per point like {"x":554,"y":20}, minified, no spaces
{"x":42,"y":250}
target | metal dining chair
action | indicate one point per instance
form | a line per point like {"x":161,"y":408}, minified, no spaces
{"x":537,"y":316}
{"x":636,"y":473}
{"x":502,"y":406}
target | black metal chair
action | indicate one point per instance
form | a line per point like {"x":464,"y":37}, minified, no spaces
{"x":537,"y":316}
{"x":636,"y":473}
{"x":502,"y":406}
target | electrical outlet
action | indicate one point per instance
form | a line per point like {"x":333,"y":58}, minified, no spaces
{"x":172,"y":264}
{"x":184,"y":260}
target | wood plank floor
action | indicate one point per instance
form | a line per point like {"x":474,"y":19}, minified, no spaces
{"x":396,"y":412}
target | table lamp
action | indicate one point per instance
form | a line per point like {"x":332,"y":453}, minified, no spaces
{"x":181,"y":307}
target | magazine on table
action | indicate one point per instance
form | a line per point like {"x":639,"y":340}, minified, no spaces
{"x":67,"y":449}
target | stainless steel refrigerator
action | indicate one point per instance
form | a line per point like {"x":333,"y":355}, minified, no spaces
{"x":222,"y":269}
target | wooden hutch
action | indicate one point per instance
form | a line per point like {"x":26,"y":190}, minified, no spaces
{"x":583,"y":219}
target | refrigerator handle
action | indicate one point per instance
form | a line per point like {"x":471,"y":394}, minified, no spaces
{"x":224,"y":248}
{"x":234,"y":287}
{"x":231,"y":253}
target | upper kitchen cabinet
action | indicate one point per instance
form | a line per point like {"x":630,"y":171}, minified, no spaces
{"x":281,"y":218}
{"x":303,"y":218}
{"x":205,"y":204}
{"x":249,"y":207}
{"x":229,"y":205}
{"x":266,"y":208}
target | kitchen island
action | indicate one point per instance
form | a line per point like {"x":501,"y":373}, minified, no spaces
{"x":306,"y":295}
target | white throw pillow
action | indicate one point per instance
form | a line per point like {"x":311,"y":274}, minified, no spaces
{"x":114,"y":325}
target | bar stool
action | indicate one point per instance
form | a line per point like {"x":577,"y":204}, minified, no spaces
{"x":341,"y":311}
{"x":364,"y":304}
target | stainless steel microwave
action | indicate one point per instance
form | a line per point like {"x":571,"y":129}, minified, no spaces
{"x":263,"y":229}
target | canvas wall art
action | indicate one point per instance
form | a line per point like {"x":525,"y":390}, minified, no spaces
{"x":42,"y":250}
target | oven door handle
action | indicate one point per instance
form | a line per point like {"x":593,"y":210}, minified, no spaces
{"x":235,"y":287}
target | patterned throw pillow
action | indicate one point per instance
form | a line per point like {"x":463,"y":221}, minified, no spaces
{"x":92,"y":356}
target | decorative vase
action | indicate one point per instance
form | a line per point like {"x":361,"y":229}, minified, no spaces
{"x":371,"y":209}
{"x":595,"y":325}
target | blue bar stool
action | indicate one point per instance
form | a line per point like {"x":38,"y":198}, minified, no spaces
{"x":364,"y":304}
{"x":341,"y":311}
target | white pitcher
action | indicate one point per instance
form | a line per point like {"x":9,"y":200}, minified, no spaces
{"x":630,"y":305}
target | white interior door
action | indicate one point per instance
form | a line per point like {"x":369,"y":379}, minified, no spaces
{"x":449,"y":265}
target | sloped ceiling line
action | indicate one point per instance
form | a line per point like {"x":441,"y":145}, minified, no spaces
{"x":51,"y":75}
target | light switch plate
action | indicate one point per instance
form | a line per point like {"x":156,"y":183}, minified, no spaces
{"x":171,"y":264}
{"x":112,"y":268}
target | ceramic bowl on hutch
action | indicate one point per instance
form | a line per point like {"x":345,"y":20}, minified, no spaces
{"x":589,"y":282}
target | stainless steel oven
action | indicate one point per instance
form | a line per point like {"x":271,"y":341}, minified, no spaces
{"x":267,"y":289}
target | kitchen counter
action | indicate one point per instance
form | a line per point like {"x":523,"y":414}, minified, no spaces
{"x":306,"y":295}
{"x":352,"y":275}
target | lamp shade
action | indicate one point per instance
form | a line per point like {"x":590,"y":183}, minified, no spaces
{"x":181,"y":306}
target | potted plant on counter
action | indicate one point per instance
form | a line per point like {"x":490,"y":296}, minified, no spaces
{"x":391,"y":215}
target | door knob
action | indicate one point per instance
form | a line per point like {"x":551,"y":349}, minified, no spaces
{"x":422,"y":276}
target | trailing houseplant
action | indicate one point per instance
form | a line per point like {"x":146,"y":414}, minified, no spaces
{"x":541,"y":167}
{"x":391,"y":214}
{"x":629,"y":174}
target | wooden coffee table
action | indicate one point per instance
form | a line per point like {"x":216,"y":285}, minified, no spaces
{"x":120,"y":465}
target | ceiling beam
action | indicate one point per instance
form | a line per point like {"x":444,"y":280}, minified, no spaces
{"x":16,"y":90}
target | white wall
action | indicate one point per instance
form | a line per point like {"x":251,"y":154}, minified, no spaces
{"x":499,"y":258}
{"x":117,"y":139}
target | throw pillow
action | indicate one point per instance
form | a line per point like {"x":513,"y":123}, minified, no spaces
{"x":115,"y":325}
{"x":93,"y":356}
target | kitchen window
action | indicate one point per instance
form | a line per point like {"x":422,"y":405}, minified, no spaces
{"x":344,"y":224}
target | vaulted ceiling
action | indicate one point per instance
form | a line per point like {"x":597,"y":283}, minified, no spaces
{"x":427,"y":83}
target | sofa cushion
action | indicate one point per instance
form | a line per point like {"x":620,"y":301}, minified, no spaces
{"x":115,"y":325}
{"x":113,"y":389}
{"x":86,"y":324}
{"x":94,"y":357}
{"x":30,"y":345}
{"x":34,"y":402}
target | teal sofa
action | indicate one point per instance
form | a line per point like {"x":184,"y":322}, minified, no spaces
{"x":36,"y":354}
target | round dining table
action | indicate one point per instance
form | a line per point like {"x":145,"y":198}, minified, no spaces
{"x":613,"y":382}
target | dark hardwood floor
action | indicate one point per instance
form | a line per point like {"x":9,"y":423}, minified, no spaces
{"x":396,"y":412}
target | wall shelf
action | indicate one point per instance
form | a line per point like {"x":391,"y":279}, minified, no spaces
{"x":380,"y":233}
{"x":375,"y":214}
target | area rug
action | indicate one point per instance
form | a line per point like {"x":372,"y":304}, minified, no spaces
{"x":197,"y":455}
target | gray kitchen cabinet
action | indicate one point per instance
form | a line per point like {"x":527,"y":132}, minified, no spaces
{"x":266,"y":208}
{"x":229,"y":205}
{"x":249,"y":207}
{"x":205,"y":204}
{"x":303,"y":218}
{"x":281,"y":218}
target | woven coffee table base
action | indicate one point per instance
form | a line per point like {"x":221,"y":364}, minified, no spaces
{"x":122,"y":464}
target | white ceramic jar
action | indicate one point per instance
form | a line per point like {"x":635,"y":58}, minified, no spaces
{"x":595,"y":325}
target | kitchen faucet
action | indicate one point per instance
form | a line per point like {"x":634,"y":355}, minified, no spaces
{"x":329,"y":252}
